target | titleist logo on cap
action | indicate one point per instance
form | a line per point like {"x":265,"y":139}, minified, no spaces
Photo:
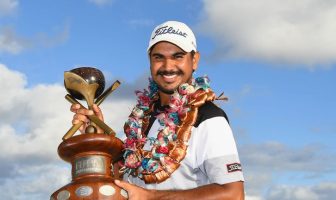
{"x":170,"y":30}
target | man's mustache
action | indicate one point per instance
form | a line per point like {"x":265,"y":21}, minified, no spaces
{"x":167,"y":73}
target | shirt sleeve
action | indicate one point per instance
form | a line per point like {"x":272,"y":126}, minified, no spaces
{"x":216,"y":152}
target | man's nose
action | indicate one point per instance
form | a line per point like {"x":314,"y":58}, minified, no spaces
{"x":169,"y":64}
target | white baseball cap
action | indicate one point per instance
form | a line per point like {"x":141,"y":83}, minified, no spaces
{"x":174,"y":32}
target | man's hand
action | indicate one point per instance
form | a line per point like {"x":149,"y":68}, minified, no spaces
{"x":229,"y":191}
{"x":81,"y":116}
{"x":135,"y":192}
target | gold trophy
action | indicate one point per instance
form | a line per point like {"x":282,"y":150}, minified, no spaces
{"x":91,"y":154}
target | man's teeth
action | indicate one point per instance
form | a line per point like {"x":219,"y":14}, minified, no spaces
{"x":169,"y":76}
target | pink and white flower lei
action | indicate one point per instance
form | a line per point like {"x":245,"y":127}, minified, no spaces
{"x":135,"y":162}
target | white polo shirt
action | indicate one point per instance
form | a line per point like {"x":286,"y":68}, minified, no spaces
{"x":211,"y":157}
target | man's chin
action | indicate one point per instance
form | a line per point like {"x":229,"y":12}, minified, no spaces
{"x":166,"y":91}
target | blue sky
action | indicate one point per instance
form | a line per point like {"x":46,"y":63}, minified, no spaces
{"x":275,"y":60}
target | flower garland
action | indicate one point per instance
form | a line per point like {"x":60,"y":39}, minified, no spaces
{"x":170,"y":145}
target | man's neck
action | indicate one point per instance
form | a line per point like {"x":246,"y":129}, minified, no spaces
{"x":164,"y":98}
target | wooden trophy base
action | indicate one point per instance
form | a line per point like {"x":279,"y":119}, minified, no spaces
{"x":91,"y":156}
{"x":90,"y":189}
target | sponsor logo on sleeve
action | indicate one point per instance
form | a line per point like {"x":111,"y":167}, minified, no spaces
{"x":233,"y":167}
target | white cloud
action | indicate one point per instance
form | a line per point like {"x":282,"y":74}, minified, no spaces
{"x":248,"y":197}
{"x":295,"y":32}
{"x":278,"y":157}
{"x":11,"y":42}
{"x":321,"y":191}
{"x":102,"y":2}
{"x":35,"y":182}
{"x":318,"y":191}
{"x":292,"y":193}
{"x":256,"y":182}
{"x":266,"y":165}
{"x":8,"y":6}
{"x":32,"y":123}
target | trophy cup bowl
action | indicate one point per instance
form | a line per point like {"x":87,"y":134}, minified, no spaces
{"x":91,"y":155}
{"x":91,"y":75}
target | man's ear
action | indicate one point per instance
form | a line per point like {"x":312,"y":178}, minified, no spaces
{"x":196,"y":59}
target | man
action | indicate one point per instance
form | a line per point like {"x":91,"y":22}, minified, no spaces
{"x":179,"y":144}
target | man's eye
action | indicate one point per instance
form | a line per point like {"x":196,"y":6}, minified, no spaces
{"x":157,"y":57}
{"x":178,"y":56}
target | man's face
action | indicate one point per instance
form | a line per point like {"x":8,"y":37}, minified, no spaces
{"x":171,"y":66}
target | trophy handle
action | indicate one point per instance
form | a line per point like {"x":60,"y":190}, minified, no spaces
{"x":107,"y":92}
{"x":72,"y":131}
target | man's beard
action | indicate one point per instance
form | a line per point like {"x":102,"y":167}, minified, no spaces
{"x":165,"y":72}
{"x":166,"y":91}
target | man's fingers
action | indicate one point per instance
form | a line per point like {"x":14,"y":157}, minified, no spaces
{"x":82,"y":118}
{"x":81,"y":115}
{"x":133,"y":191}
{"x":98,"y":112}
{"x":84,"y":111}
{"x":120,"y":183}
{"x":96,"y":108}
{"x":81,"y":129}
{"x":74,"y":107}
{"x":126,"y":186}
{"x":75,"y":121}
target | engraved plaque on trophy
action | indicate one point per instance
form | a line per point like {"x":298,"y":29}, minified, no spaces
{"x":90,"y":154}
